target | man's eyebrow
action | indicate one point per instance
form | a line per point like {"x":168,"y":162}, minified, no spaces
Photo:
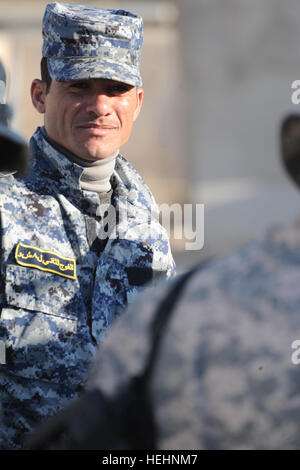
{"x":66,"y":84}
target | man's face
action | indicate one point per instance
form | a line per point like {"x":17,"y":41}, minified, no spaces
{"x":91,"y":118}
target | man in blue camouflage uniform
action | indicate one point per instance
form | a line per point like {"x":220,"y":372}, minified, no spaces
{"x":225,"y":373}
{"x":80,"y":235}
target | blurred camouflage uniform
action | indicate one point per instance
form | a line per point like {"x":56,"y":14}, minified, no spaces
{"x":226,"y":375}
{"x":226,"y":370}
{"x":62,"y":280}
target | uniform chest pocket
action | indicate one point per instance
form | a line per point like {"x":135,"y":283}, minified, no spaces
{"x":35,"y":290}
{"x":39,"y":325}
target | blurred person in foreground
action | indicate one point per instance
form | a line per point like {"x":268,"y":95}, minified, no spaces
{"x":14,"y":161}
{"x":79,"y":233}
{"x":14,"y":150}
{"x":209,"y":360}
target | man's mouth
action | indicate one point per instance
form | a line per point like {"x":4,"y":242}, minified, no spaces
{"x":92,"y":125}
{"x":97,"y":129}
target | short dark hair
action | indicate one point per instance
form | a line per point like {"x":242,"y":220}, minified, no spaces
{"x":45,"y":74}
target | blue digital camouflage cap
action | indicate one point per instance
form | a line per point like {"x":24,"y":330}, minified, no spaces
{"x":82,"y":42}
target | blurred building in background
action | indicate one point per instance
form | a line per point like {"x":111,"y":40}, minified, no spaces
{"x":217,"y":77}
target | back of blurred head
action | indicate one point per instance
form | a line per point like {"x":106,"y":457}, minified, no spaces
{"x":290,"y":144}
{"x":13,"y":148}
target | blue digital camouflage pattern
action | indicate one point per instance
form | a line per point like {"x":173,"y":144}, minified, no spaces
{"x":82,"y":42}
{"x":228,"y":373}
{"x":52,"y":323}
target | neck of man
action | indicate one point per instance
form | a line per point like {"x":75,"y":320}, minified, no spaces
{"x":96,"y":174}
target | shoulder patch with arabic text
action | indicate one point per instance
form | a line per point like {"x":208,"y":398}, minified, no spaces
{"x":32,"y":257}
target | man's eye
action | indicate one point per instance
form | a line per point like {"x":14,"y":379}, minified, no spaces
{"x":118,"y":89}
{"x":80,"y":85}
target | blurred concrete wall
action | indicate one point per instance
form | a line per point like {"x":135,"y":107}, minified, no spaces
{"x":217,"y":77}
{"x":239,"y":58}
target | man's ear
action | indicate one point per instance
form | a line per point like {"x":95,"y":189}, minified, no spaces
{"x":139,"y":96}
{"x":38,"y":95}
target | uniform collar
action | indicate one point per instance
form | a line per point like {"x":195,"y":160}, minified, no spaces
{"x":126,"y":182}
{"x":67,"y":172}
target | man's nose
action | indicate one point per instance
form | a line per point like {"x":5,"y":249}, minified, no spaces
{"x":99,"y":104}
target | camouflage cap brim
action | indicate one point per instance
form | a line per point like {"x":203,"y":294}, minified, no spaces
{"x":75,"y":68}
